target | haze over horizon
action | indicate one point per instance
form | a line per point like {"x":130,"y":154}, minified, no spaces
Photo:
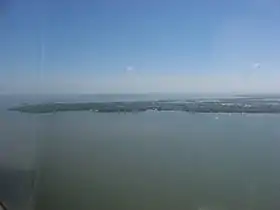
{"x":139,"y":46}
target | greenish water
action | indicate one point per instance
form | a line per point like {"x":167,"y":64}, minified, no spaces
{"x":157,"y":161}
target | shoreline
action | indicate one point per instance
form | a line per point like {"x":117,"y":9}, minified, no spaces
{"x":233,"y":106}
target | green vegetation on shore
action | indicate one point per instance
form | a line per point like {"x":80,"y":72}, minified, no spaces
{"x":231,"y":105}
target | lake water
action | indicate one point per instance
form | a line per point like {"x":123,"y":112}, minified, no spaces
{"x":146,"y":161}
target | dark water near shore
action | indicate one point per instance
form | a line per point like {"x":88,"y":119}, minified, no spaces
{"x":166,"y":160}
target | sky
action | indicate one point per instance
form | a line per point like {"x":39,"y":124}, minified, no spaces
{"x":133,"y":46}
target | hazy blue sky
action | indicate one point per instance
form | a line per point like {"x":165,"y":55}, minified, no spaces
{"x":91,"y":46}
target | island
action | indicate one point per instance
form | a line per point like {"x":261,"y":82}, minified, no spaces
{"x":203,"y":105}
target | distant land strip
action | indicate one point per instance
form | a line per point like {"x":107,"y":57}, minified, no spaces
{"x":225,"y":105}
